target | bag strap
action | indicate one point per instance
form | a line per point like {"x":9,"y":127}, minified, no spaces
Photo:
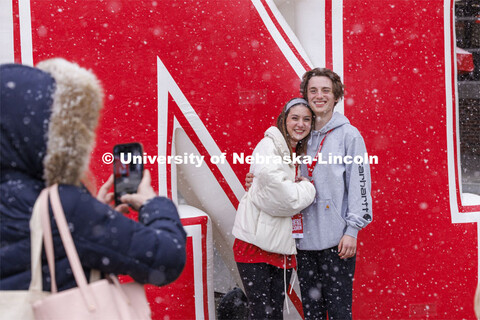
{"x":48,"y":245}
{"x":69,"y":246}
{"x":36,"y":240}
{"x":113,"y":278}
{"x":95,"y":275}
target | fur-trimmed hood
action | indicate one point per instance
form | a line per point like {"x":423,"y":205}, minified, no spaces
{"x":48,"y":119}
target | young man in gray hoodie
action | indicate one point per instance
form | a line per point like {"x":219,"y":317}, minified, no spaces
{"x":342,"y":205}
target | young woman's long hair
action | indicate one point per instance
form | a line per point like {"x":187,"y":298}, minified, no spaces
{"x":301,"y":148}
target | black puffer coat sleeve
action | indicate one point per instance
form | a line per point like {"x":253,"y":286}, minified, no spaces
{"x":150,"y":251}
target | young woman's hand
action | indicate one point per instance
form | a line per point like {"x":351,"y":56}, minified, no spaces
{"x":144,"y":192}
{"x":107,"y":197}
{"x":300,"y":178}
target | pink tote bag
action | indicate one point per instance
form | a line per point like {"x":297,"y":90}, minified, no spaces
{"x":103,"y":299}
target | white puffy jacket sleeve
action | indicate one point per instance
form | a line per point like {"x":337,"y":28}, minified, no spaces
{"x":274,"y":190}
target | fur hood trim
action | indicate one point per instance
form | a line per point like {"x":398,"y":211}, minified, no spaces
{"x":77,"y":101}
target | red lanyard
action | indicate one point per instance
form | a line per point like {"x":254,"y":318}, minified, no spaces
{"x":311,"y":166}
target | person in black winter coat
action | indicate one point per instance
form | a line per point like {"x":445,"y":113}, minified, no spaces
{"x":48,"y":120}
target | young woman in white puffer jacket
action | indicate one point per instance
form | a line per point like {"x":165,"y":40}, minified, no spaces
{"x":264,"y":247}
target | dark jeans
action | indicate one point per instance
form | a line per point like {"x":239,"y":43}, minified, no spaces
{"x":326,"y":284}
{"x":264,"y":287}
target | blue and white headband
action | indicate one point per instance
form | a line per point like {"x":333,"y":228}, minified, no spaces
{"x":294,"y":102}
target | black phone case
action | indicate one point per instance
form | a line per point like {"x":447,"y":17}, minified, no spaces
{"x":127,"y":183}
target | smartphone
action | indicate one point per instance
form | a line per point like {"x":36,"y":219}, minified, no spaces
{"x":127,"y":168}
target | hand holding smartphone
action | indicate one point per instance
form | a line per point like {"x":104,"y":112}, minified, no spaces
{"x":127,"y":169}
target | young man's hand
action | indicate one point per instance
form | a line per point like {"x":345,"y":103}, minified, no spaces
{"x":347,"y":247}
{"x":248,"y":181}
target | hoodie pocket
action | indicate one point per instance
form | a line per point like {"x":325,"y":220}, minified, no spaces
{"x":331,"y":208}
{"x":332,"y":224}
